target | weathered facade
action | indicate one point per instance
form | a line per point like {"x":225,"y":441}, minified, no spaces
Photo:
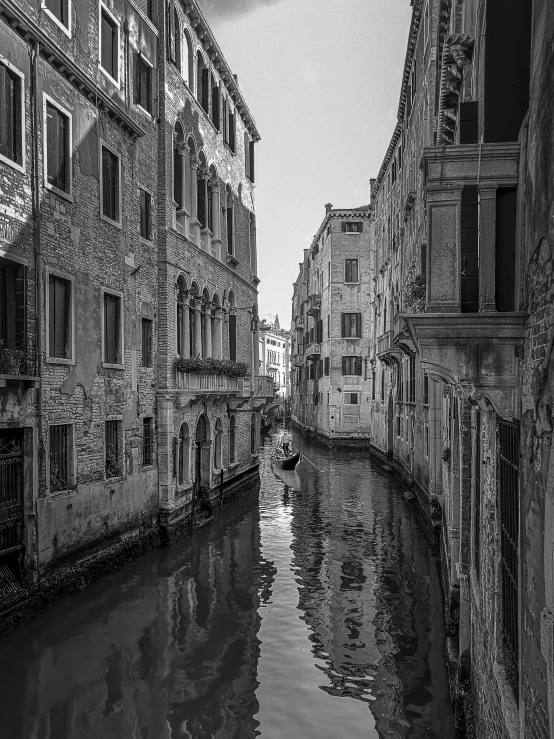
{"x":127,"y":241}
{"x":274,"y":355}
{"x":462,"y":332}
{"x":331,"y":329}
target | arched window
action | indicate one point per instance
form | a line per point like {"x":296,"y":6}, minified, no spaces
{"x":253,"y":434}
{"x":193,"y":300}
{"x":178,"y":172}
{"x":202,"y":191}
{"x":205,"y":306}
{"x":232,"y":328}
{"x":218,"y":440}
{"x":184,"y":454}
{"x":202,"y":82}
{"x":230,"y":221}
{"x":182,"y":349}
{"x":252,"y":243}
{"x":188,"y":59}
{"x":232,"y":430}
{"x":188,"y":174}
{"x":215,"y":103}
{"x":177,"y":40}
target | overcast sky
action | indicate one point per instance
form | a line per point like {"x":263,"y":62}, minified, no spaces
{"x":322,"y":80}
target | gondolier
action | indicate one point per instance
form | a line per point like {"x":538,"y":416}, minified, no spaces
{"x":286,"y":441}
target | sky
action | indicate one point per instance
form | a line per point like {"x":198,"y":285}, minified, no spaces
{"x":322,"y":81}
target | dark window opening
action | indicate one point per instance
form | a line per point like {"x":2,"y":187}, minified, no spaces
{"x":425,"y":389}
{"x":59,"y":9}
{"x":110,"y":184}
{"x":114,"y":455}
{"x":145,"y":215}
{"x":109,"y":51}
{"x":232,"y":441}
{"x":143,"y":84}
{"x":216,"y":119}
{"x":373,"y":384}
{"x":147,"y":441}
{"x":112,"y":329}
{"x":469,"y":122}
{"x":251,"y":160}
{"x":146,"y":342}
{"x":469,"y":268}
{"x":57,"y":145}
{"x":326,"y":366}
{"x":205,"y":93}
{"x":352,"y":365}
{"x":351,"y":270}
{"x":10,"y":122}
{"x":351,"y":398}
{"x":505,"y":249}
{"x":61,"y":477}
{"x":352,"y":227}
{"x":59,"y":318}
{"x":233,"y":337}
{"x":411,"y":379}
{"x":351,"y":325}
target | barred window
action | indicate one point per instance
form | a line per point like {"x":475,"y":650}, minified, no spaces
{"x":114,"y":456}
{"x":148,"y":441}
{"x":146,"y":342}
{"x":61,"y":457}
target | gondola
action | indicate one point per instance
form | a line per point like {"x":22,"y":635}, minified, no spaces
{"x":265,"y":428}
{"x":286,"y":463}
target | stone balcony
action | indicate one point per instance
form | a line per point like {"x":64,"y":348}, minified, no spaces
{"x":300,"y":323}
{"x":314,"y":304}
{"x":205,"y":383}
{"x":299,"y":360}
{"x":452,"y":167}
{"x":313,"y":349}
{"x":19,"y":370}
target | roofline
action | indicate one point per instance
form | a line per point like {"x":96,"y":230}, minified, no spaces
{"x":363,"y":210}
{"x":412,"y":41}
{"x":207,"y":39}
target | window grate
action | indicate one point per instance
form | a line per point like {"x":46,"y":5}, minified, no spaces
{"x":508,"y":492}
{"x":147,"y":441}
{"x":60,"y":437}
{"x":113,"y":451}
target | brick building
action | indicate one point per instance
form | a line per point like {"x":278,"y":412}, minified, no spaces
{"x":127,"y":239}
{"x":330,"y":389}
{"x":461,"y":340}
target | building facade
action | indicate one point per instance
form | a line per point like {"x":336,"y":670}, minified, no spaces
{"x":462,"y":325}
{"x":128,"y":288}
{"x":331,"y":380}
{"x":274,"y":355}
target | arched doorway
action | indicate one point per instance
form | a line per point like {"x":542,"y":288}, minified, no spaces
{"x":202,"y":455}
{"x":390,"y":428}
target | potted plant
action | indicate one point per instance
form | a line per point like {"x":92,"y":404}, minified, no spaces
{"x":11,"y":359}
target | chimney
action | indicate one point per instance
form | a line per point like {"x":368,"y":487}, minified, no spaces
{"x":328,"y":207}
{"x":371,"y":186}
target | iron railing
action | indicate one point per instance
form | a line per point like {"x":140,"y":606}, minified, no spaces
{"x":508,"y":492}
{"x":11,"y":494}
{"x":59,"y":457}
{"x":19,"y":361}
{"x":113,"y":451}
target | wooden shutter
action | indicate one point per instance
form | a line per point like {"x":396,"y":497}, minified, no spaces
{"x":11,"y":120}
{"x":215,"y":107}
{"x":170,"y":30}
{"x":358,"y":324}
{"x":112,"y":328}
{"x":344,"y":367}
{"x":344,"y":318}
{"x":358,"y":367}
{"x":233,"y":338}
{"x":225,"y":122}
{"x":251,"y":158}
{"x":205,"y":89}
{"x":246,"y":155}
{"x":232,"y":131}
{"x":51,"y":145}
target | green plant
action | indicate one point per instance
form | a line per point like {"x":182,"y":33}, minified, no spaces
{"x":11,"y":358}
{"x":415,"y":294}
{"x":199,"y":366}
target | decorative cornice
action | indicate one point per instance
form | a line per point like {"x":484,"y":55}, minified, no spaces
{"x":66,"y":67}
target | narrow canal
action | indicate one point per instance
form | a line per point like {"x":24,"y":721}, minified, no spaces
{"x":315,"y":613}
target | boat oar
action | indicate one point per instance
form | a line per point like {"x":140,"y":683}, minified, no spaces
{"x":304,"y":457}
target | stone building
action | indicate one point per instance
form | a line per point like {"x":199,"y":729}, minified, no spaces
{"x":462,"y":317}
{"x":275,"y":355}
{"x":127,"y":238}
{"x":331,"y":381}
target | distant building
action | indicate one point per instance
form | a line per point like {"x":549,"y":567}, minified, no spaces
{"x":274,"y":355}
{"x":331,"y":381}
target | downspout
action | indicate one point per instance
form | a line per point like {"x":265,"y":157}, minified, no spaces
{"x":38,"y":272}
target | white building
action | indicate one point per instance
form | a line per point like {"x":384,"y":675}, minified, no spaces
{"x":275,"y":355}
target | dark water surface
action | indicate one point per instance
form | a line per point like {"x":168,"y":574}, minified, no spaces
{"x":315,"y":614}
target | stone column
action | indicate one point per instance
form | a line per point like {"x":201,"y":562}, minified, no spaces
{"x":208,"y":330}
{"x":218,"y":334}
{"x":198,"y":332}
{"x":194,"y":230}
{"x":487,"y":248}
{"x":182,"y":214}
{"x":186,"y":330}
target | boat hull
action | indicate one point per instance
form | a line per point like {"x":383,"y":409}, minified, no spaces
{"x":287,"y":463}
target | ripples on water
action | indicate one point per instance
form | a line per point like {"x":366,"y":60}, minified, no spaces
{"x":315,"y":614}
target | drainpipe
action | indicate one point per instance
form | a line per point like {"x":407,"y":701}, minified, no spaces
{"x":38,"y":271}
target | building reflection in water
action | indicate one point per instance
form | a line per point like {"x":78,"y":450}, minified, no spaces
{"x":370,"y":593}
{"x":167,"y":647}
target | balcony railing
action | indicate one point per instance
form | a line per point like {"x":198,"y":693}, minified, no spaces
{"x":314,"y":304}
{"x":19,"y":364}
{"x":313,"y":349}
{"x":384,"y":342}
{"x":299,"y":360}
{"x":300,"y":322}
{"x":207,"y":383}
{"x":262,"y":386}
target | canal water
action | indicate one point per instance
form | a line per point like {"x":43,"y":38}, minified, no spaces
{"x":311,"y":613}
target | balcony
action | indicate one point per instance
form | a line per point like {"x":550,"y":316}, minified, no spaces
{"x":300,"y":323}
{"x":262,"y":386}
{"x":491,"y":164}
{"x":384,"y":343}
{"x":314,"y":304}
{"x":313,"y":350}
{"x":18,"y":365}
{"x":299,"y":360}
{"x":204,"y":383}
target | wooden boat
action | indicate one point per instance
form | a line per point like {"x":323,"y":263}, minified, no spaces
{"x":265,"y":428}
{"x":286,"y":463}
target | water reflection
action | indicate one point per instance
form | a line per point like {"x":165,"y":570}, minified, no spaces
{"x":316,"y":613}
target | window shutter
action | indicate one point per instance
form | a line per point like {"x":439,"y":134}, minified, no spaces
{"x":215,"y":107}
{"x":115,"y":53}
{"x":205,"y":89}
{"x":233,"y":338}
{"x":176,"y":39}
{"x":5,"y":104}
{"x":52,"y":141}
{"x":137,"y":97}
{"x":246,"y":155}
{"x":251,"y":158}
{"x":344,"y":367}
{"x":232,"y":131}
{"x":343,"y":324}
{"x":358,"y":366}
{"x":170,"y":30}
{"x":358,"y":324}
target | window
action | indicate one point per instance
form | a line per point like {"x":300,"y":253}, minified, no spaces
{"x":217,"y":454}
{"x":147,"y":441}
{"x":352,"y":227}
{"x":351,"y":325}
{"x":328,"y":325}
{"x":351,"y":398}
{"x":326,"y":366}
{"x":11,"y":121}
{"x":145,"y":215}
{"x":110,"y":184}
{"x":233,"y":337}
{"x":61,"y":457}
{"x":147,"y":7}
{"x":109,"y":44}
{"x":383,"y":384}
{"x":426,"y":440}
{"x":59,"y":318}
{"x":411,"y":379}
{"x":232,"y":430}
{"x":114,"y":454}
{"x":184,"y":452}
{"x":143,"y":83}
{"x":176,"y":39}
{"x":251,"y":161}
{"x":146,"y":342}
{"x":57,"y":147}
{"x":60,"y":10}
{"x":230,"y":224}
{"x":112,"y":329}
{"x":399,"y":426}
{"x":351,"y":270}
{"x":351,"y":365}
{"x":425,"y":389}
{"x":216,"y":119}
